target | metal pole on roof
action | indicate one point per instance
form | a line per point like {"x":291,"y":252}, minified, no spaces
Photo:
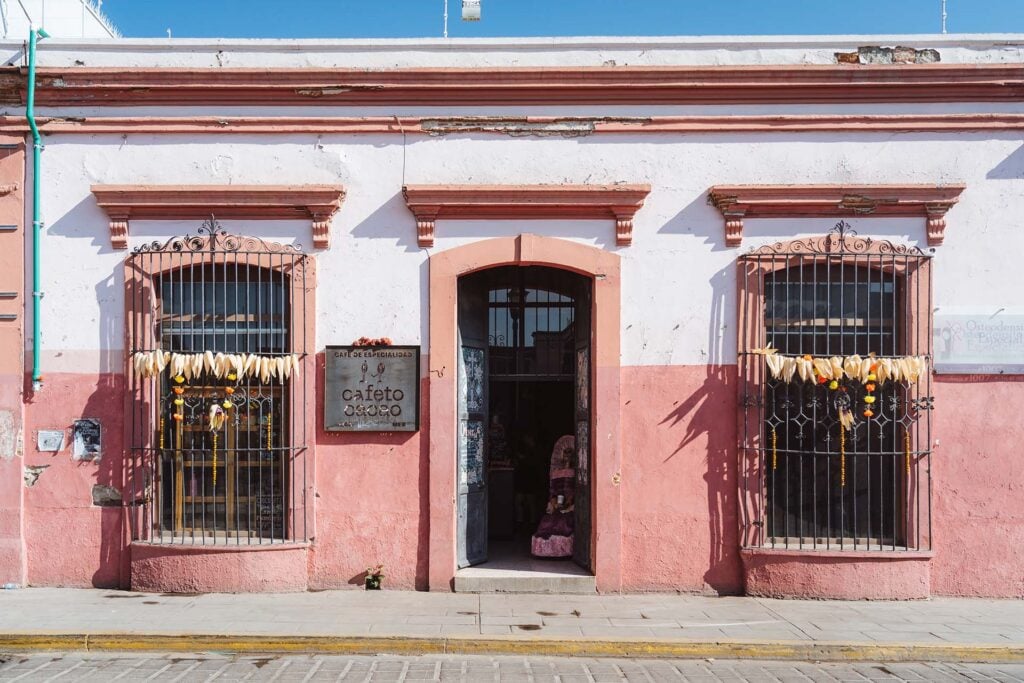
{"x":943,"y":16}
{"x":445,"y":18}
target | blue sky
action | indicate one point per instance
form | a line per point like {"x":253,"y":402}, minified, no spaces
{"x":419,"y":18}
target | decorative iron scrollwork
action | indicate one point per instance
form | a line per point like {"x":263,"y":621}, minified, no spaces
{"x":842,"y":239}
{"x":213,"y":238}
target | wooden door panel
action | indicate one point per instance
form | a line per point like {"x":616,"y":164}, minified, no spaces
{"x":472,"y":425}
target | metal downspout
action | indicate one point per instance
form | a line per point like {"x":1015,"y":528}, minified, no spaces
{"x":37,"y":148}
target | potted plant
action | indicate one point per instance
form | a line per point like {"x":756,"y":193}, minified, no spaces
{"x":374,"y":575}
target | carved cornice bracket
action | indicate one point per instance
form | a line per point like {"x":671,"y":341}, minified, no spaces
{"x":738,"y":202}
{"x":118,"y":229}
{"x":428,"y":203}
{"x":124,"y":203}
{"x":936,"y":212}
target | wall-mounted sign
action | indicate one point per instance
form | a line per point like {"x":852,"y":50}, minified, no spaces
{"x":471,"y":10}
{"x":50,"y":440}
{"x":372,"y":389}
{"x":975,"y":341}
{"x":85,"y":439}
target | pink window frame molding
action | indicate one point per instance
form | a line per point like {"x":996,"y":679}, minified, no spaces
{"x":140,"y":275}
{"x":751,"y":334}
{"x":739,"y":202}
{"x":603,"y":268}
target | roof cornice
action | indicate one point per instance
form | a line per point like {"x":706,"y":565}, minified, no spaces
{"x":115,"y":86}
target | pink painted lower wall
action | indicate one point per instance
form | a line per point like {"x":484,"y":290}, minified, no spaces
{"x":978,"y":501}
{"x":677,"y":482}
{"x":836,"y":576}
{"x":679,"y":503}
{"x":70,"y":541}
{"x":278,"y":568}
{"x":371,"y":493}
{"x":12,"y":545}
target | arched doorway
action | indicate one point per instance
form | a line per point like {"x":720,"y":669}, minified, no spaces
{"x":602,"y":269}
{"x":523,"y":449}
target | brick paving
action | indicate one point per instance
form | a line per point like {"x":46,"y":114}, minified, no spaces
{"x":177,"y":667}
{"x":407,"y":613}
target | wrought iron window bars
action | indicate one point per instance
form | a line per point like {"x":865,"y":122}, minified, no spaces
{"x":807,"y":481}
{"x":193,"y":479}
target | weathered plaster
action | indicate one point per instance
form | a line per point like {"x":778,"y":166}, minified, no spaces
{"x":32,"y":474}
{"x":9,"y":436}
{"x":605,"y":51}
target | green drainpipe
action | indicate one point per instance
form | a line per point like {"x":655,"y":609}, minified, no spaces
{"x":37,"y":225}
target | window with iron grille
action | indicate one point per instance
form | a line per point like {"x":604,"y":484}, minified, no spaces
{"x":218,"y":415}
{"x":835,"y":462}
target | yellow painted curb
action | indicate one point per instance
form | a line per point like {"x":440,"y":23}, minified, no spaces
{"x":531,"y":646}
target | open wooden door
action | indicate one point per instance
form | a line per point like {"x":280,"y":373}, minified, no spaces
{"x":472,"y":423}
{"x":582,"y":397}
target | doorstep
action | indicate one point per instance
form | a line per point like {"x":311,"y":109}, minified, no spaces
{"x":526,"y":575}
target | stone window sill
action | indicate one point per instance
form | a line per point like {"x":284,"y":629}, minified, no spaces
{"x":839,"y":554}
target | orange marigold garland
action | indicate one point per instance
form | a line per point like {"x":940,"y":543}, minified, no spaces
{"x":270,"y":441}
{"x":161,"y":432}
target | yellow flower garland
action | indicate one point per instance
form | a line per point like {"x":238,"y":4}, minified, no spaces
{"x":842,"y":456}
{"x":775,"y":455}
{"x":161,"y":433}
{"x":215,"y":462}
{"x":906,"y":449}
{"x":270,"y":437}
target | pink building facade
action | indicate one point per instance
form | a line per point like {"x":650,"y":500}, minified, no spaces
{"x":770,"y":288}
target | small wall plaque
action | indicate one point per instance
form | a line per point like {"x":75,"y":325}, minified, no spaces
{"x":372,"y":389}
{"x":50,"y":440}
{"x":85,"y":441}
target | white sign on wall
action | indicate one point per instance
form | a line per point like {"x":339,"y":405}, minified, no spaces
{"x":978,"y":341}
{"x":471,"y":10}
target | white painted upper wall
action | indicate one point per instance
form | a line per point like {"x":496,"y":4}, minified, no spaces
{"x":678,"y":277}
{"x":63,"y":20}
{"x":498,"y":52}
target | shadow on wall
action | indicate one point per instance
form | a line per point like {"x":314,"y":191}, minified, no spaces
{"x":700,"y":219}
{"x":391,"y":220}
{"x":85,"y":220}
{"x":107,"y":401}
{"x":702,"y":413}
{"x":1010,"y":168}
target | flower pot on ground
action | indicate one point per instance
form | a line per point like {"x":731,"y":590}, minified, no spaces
{"x":374,"y":576}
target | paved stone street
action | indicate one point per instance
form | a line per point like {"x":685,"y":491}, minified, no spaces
{"x":177,"y":667}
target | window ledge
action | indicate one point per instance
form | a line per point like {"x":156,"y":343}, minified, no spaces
{"x":197,"y":546}
{"x":832,"y":553}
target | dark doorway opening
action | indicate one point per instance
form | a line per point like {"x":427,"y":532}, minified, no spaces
{"x":524,"y":456}
{"x":527,"y":419}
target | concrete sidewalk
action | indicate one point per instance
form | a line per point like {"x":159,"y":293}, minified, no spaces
{"x":431,"y":623}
